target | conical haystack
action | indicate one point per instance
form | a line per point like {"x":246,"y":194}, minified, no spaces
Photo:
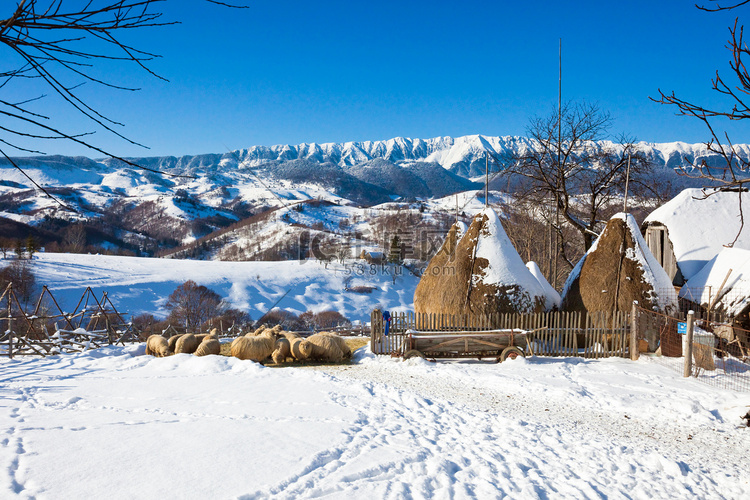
{"x":478,"y":274}
{"x":617,"y":270}
{"x":552,"y":298}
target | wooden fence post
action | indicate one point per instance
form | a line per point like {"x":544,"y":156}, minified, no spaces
{"x":688,"y":345}
{"x":634,"y":354}
{"x":10,"y":321}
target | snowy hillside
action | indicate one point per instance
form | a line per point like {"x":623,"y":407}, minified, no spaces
{"x":139,"y":285}
{"x":192,"y":196}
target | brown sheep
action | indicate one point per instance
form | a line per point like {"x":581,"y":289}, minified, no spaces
{"x":282,"y":350}
{"x":210,"y":345}
{"x":300,"y":348}
{"x":345,"y":349}
{"x":255,"y":348}
{"x":173,"y":341}
{"x":325,"y":348}
{"x":156,"y":345}
{"x":186,"y":344}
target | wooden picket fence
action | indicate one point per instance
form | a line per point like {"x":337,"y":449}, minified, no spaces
{"x":589,"y":335}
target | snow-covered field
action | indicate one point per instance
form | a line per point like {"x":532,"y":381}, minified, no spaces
{"x":139,"y":285}
{"x":114,"y":423}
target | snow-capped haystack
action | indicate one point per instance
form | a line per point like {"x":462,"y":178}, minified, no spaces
{"x":483,"y":275}
{"x":552,"y":298}
{"x":694,"y":228}
{"x":618,"y":269}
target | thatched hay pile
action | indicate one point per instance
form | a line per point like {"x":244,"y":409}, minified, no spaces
{"x":158,"y":346}
{"x":479,"y":273}
{"x":617,"y":270}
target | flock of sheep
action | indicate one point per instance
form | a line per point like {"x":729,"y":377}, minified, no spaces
{"x":262,"y":344}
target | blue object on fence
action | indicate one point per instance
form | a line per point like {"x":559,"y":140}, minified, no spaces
{"x":682,"y":328}
{"x":387,"y":319}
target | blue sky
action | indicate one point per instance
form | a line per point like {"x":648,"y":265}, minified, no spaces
{"x":332,"y":71}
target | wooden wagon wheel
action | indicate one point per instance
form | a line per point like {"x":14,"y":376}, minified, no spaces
{"x":511,"y":352}
{"x":413,"y":353}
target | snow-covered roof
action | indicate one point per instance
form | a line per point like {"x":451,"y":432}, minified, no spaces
{"x":505,"y":265}
{"x":699,"y":226}
{"x":553,"y":298}
{"x":732,"y":264}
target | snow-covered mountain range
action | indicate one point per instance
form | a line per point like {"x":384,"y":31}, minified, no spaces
{"x":191,"y":196}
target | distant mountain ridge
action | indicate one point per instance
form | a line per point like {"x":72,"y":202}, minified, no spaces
{"x":137,"y":208}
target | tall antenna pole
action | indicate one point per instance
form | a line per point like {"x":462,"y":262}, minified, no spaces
{"x":486,"y":180}
{"x":627,"y":179}
{"x":559,"y":167}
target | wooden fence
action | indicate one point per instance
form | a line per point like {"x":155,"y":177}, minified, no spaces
{"x":47,"y":329}
{"x":595,"y":335}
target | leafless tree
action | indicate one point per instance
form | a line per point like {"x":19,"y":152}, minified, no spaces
{"x":733,"y":172}
{"x":58,"y":43}
{"x":574,"y":170}
{"x":192,"y":304}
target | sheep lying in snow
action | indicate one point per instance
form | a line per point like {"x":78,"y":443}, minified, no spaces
{"x":156,"y":345}
{"x":256,"y":348}
{"x":345,"y":349}
{"x":328,"y":347}
{"x":282,"y":350}
{"x":300,"y":348}
{"x":173,"y":341}
{"x":186,"y":344}
{"x":210,"y":345}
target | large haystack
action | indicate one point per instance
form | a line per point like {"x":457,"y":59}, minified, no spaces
{"x":617,"y":270}
{"x":478,"y":273}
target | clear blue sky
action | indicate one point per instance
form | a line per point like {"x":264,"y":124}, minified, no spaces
{"x":332,"y":71}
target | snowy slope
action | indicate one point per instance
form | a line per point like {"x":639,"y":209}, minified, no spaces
{"x":118,"y":425}
{"x":142,"y":285}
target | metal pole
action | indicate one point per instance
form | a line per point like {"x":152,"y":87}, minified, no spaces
{"x":486,"y":181}
{"x":559,"y":169}
{"x":627,"y":180}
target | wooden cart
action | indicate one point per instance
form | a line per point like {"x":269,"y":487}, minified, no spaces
{"x":498,"y":344}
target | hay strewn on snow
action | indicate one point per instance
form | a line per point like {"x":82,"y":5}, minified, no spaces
{"x":617,"y":270}
{"x":478,"y":274}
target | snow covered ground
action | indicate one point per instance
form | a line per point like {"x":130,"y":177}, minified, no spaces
{"x":116,"y":424}
{"x":139,"y":285}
